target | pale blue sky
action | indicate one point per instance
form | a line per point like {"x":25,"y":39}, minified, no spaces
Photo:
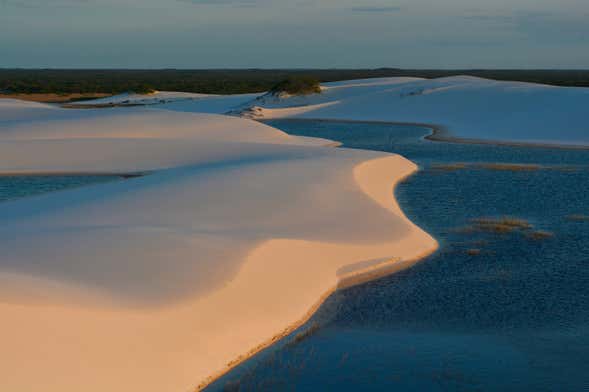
{"x":295,"y":33}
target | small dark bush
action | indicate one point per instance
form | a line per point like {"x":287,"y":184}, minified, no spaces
{"x":143,"y":89}
{"x":298,"y":85}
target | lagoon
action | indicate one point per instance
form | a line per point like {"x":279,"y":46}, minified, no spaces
{"x":492,"y":310}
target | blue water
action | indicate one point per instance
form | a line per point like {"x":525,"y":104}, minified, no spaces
{"x":15,"y":186}
{"x":512,"y":316}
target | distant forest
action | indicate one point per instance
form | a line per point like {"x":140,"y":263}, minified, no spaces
{"x":61,"y":81}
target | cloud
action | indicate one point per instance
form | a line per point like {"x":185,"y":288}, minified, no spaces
{"x":235,"y":3}
{"x":38,"y":3}
{"x":492,"y":18}
{"x":541,"y":26}
{"x":376,"y":9}
{"x":53,"y":3}
{"x":553,"y":28}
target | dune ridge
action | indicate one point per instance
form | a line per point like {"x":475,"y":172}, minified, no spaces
{"x":468,"y":109}
{"x":163,"y":282}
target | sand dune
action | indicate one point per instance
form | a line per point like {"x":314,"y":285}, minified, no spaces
{"x":163,"y":282}
{"x":178,"y":101}
{"x":467,"y":107}
{"x":159,"y":283}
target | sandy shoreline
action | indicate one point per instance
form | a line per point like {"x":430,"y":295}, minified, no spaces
{"x":393,"y":266}
{"x":378,"y":269}
{"x":173,"y":298}
{"x":440,"y":134}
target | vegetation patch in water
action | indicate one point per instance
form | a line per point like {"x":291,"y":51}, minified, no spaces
{"x":503,"y":225}
{"x":509,"y":166}
{"x":448,"y":166}
{"x":500,"y":225}
{"x":452,"y":166}
{"x":578,"y":218}
{"x":299,"y":337}
{"x":473,"y":252}
{"x":539,"y":235}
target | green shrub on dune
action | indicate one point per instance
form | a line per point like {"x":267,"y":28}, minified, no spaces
{"x":298,"y":85}
{"x":143,"y":88}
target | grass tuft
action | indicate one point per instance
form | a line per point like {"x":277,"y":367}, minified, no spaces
{"x":578,"y":218}
{"x":509,"y":166}
{"x":500,"y":225}
{"x":299,"y":337}
{"x":539,"y":235}
{"x":452,"y":166}
{"x":448,"y":166}
{"x":473,"y":252}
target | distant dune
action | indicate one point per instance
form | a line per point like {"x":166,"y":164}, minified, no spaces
{"x":53,"y":98}
{"x":465,"y":107}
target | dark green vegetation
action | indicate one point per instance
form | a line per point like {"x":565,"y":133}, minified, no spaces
{"x":298,"y":85}
{"x":234,"y":81}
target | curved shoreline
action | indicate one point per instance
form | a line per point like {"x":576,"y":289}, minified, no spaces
{"x":439,"y":133}
{"x":392,"y":266}
{"x":384,"y":268}
{"x":197,"y":337}
{"x":375,"y":270}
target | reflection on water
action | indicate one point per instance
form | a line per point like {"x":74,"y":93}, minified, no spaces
{"x":496,"y":308}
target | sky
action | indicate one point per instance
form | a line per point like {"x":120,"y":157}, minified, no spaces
{"x":294,"y":33}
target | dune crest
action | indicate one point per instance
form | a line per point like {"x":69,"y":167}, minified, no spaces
{"x":467,"y":108}
{"x":163,"y":282}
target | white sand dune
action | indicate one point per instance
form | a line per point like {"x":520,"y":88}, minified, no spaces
{"x":144,"y":99}
{"x":160,"y":283}
{"x":466,"y":107}
{"x":178,"y":101}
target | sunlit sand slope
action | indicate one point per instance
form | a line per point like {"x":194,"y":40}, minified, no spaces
{"x":162,"y":282}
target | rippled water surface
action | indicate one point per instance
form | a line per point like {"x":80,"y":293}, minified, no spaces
{"x":492,"y":310}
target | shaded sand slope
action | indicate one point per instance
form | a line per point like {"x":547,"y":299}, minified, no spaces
{"x":160,"y":283}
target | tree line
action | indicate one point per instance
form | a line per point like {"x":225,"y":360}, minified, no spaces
{"x":113,"y":81}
